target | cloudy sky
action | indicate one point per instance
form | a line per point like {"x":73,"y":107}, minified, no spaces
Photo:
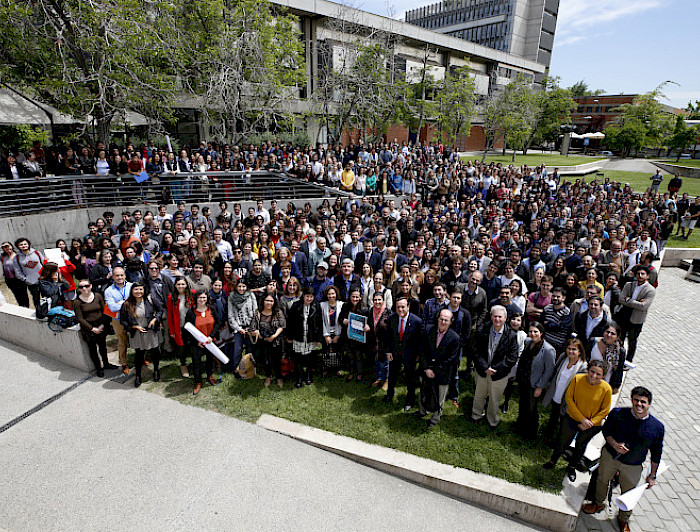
{"x":621,"y":46}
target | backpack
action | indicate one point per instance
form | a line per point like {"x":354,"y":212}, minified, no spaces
{"x":246,"y":368}
{"x":61,"y":318}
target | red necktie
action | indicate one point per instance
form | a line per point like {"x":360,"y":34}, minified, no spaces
{"x":400,"y":329}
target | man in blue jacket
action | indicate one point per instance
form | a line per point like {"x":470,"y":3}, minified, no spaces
{"x":630,"y":433}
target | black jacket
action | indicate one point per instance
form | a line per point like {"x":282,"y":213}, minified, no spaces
{"x":295,"y":322}
{"x":409,"y":347}
{"x":580,"y":321}
{"x":504,"y":357}
{"x":152,"y":311}
{"x":440,"y":359}
{"x":343,"y":292}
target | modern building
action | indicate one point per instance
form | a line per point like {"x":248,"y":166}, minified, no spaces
{"x":328,"y":27}
{"x":593,"y":113}
{"x":524,"y":28}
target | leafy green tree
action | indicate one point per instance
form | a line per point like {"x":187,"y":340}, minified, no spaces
{"x":20,"y":138}
{"x":553,"y":106}
{"x":581,"y":89}
{"x":693,"y":110}
{"x":246,"y":65}
{"x":510,"y":115}
{"x":625,"y":135}
{"x":455,"y":104}
{"x":643,"y":123}
{"x":682,"y":137}
{"x":92,"y":59}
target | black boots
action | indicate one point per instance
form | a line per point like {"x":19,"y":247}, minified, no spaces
{"x":156,"y":375}
{"x":137,"y":381}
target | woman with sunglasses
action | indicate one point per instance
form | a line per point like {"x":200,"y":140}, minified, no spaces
{"x":89,"y":311}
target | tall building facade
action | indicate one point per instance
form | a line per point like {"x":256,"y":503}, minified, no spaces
{"x":524,"y":28}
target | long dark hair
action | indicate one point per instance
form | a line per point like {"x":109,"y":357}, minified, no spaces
{"x":130,"y":303}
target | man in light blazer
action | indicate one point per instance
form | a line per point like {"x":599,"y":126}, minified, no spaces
{"x":637,"y":296}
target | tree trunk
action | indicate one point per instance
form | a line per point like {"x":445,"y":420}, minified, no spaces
{"x":513,"y":159}
{"x":102,"y":128}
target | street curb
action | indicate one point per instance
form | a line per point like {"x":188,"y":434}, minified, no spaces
{"x":547,"y":510}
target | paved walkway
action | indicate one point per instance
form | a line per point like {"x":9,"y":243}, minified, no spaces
{"x":106,"y":456}
{"x":108,"y":453}
{"x":668,"y":366}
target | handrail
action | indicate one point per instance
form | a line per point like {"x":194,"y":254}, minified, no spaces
{"x":51,"y":193}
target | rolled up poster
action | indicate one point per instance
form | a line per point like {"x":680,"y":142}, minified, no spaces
{"x":627,"y":501}
{"x":213,"y":349}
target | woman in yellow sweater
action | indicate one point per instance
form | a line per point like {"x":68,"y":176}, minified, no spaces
{"x":347,"y":178}
{"x":588,"y":400}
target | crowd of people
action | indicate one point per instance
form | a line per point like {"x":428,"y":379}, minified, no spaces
{"x":450,"y":270}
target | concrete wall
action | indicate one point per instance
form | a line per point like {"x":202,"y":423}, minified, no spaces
{"x":684,"y":171}
{"x":44,"y":229}
{"x":672,"y":257}
{"x":18,"y":325}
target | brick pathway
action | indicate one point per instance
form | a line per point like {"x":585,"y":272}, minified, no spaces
{"x":667,"y":358}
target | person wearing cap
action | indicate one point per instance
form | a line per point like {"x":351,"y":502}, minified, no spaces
{"x":346,"y":280}
{"x":319,"y":282}
{"x":636,"y":296}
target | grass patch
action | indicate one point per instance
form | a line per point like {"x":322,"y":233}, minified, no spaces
{"x":535,"y":159}
{"x":692,"y":163}
{"x":356,"y":410}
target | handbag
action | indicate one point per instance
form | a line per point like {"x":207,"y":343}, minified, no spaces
{"x":331,"y":358}
{"x":287,"y":366}
{"x":623,"y":316}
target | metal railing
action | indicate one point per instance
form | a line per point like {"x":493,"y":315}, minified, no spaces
{"x":30,"y":196}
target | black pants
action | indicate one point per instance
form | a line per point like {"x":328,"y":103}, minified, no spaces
{"x":95,"y":342}
{"x":528,"y":414}
{"x":181,"y":352}
{"x":569,"y":430}
{"x":140,"y":356}
{"x":632,"y":334}
{"x":197,"y":360}
{"x":271,"y":358}
{"x":553,"y":428}
{"x":303,"y":365}
{"x":34,"y":290}
{"x":19,"y":290}
{"x":410,"y":375}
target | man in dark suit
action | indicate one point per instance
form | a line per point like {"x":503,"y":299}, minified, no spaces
{"x":298,"y":258}
{"x":346,"y":281}
{"x":593,"y":322}
{"x":496,"y":352}
{"x":403,"y":348}
{"x":368,"y":256}
{"x":354,"y":248}
{"x":438,"y":356}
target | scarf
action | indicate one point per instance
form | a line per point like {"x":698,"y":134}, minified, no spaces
{"x":240,"y":299}
{"x":378,"y":313}
{"x":611,"y":355}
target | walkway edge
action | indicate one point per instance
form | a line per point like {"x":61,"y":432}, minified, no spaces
{"x":553,"y":512}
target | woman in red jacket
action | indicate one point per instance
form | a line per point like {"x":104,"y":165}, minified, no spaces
{"x":178,"y":304}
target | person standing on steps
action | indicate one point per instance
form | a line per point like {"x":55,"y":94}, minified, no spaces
{"x":630,"y":433}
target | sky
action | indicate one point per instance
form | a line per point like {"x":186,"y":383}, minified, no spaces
{"x":620,"y":46}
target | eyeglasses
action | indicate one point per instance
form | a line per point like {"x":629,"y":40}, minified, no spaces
{"x":81,"y":286}
{"x":153,"y":268}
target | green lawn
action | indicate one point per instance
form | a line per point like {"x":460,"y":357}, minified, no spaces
{"x":356,"y":410}
{"x":693,"y":163}
{"x":535,"y":159}
{"x":639,"y":181}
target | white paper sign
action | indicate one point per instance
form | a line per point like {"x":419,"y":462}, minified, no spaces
{"x":55,"y":255}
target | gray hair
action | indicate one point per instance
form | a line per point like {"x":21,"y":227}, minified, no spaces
{"x":499,"y":308}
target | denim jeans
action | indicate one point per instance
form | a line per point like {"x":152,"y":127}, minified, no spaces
{"x":382,"y":369}
{"x":240,"y":341}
